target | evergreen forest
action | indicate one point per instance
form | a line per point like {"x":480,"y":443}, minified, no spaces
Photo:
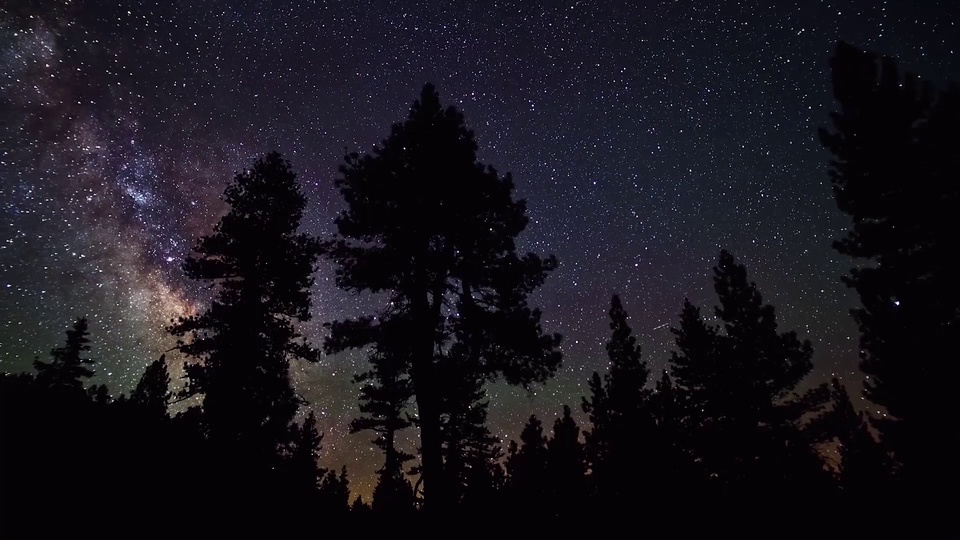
{"x":732,"y":431}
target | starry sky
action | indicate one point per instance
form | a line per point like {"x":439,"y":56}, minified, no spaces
{"x":645,"y":135}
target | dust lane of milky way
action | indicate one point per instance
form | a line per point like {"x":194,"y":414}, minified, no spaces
{"x":645,"y":136}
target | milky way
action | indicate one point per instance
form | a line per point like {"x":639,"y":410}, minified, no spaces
{"x":645,"y":136}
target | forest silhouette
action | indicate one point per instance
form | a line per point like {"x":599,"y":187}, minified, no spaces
{"x":732,"y":427}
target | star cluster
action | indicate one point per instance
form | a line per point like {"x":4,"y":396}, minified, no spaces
{"x":644,"y":135}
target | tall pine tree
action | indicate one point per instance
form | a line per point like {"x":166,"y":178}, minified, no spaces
{"x":393,"y":494}
{"x":894,"y":171}
{"x":68,"y":366}
{"x":527,"y":469}
{"x":302,"y":466}
{"x":617,"y":407}
{"x":737,"y":384}
{"x":566,"y":466}
{"x":240,"y":348}
{"x":384,"y":397}
{"x":152,"y":393}
{"x":864,"y":468}
{"x":335,"y":493}
{"x":435,"y":230}
{"x":471,"y":453}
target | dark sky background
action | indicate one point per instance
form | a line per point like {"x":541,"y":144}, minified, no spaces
{"x":645,"y":135}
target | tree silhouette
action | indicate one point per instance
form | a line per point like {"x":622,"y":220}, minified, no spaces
{"x":303,"y":463}
{"x":864,"y":468}
{"x":471,"y":453}
{"x":335,"y":493}
{"x":430,"y":226}
{"x":152,"y":393}
{"x":675,"y":473}
{"x":527,"y":468}
{"x":393,"y":493}
{"x":665,"y":403}
{"x":359,"y":508}
{"x":99,"y":393}
{"x":864,"y":472}
{"x":621,"y":425}
{"x":68,"y":366}
{"x":384,"y":397}
{"x":894,"y":143}
{"x":240,"y":347}
{"x":566,"y":465}
{"x":737,"y":386}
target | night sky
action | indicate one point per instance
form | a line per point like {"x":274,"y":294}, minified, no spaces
{"x":644,"y":135}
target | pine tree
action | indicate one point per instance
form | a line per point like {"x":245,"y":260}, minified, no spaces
{"x":527,"y":468}
{"x":240,"y":347}
{"x":303,"y":466}
{"x":471,"y":453}
{"x":359,"y":508}
{"x":864,"y":469}
{"x":617,"y":409}
{"x":68,"y":367}
{"x":152,"y":393}
{"x":737,"y":388}
{"x":393,"y":494}
{"x":566,"y":465}
{"x":99,"y":393}
{"x":384,"y":397}
{"x":435,"y":230}
{"x":335,"y":493}
{"x":675,"y":473}
{"x":894,"y":142}
{"x":665,"y":407}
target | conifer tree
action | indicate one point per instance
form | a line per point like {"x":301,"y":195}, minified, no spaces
{"x":359,"y":508}
{"x":99,"y":393}
{"x":435,"y":230}
{"x":737,"y":386}
{"x":617,"y":408}
{"x":527,"y":467}
{"x":471,"y":453}
{"x":665,"y":406}
{"x":68,"y":367}
{"x":693,"y":366}
{"x":335,"y":493}
{"x":261,"y":269}
{"x":894,"y":172}
{"x":674,"y":473}
{"x":304,"y":468}
{"x":393,"y":494}
{"x":566,"y":465}
{"x":152,"y":393}
{"x":864,"y":468}
{"x":384,"y":397}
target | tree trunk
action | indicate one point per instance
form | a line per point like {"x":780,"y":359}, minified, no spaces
{"x":431,"y":444}
{"x":426,"y":388}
